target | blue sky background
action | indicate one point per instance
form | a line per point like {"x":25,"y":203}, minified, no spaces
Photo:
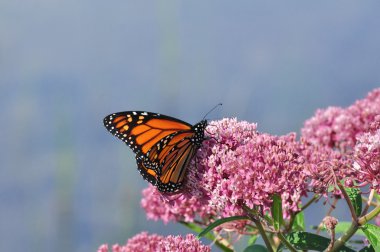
{"x":65,"y":183}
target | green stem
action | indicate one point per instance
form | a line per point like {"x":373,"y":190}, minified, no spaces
{"x":368,"y":203}
{"x":286,"y":242}
{"x":354,"y":227}
{"x":374,"y":204}
{"x":253,"y":216}
{"x":363,"y":220}
{"x":349,"y":203}
{"x":356,"y":223}
{"x":254,"y":212}
{"x":345,"y":237}
{"x":262,"y":232}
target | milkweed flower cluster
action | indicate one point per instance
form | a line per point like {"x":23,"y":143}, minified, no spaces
{"x":195,"y":199}
{"x":238,"y":170}
{"x":181,"y":207}
{"x":251,"y":169}
{"x":367,"y":159}
{"x":144,"y":242}
{"x":337,"y":127}
{"x":325,"y":167}
{"x":353,"y":133}
{"x":237,"y":166}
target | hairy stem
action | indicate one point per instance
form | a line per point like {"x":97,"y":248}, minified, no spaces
{"x":286,"y":242}
{"x":370,"y":197}
{"x":354,"y":227}
{"x":345,"y":237}
{"x":262,"y":232}
{"x":332,"y":241}
{"x":349,"y":203}
{"x":363,"y":220}
{"x":374,"y":204}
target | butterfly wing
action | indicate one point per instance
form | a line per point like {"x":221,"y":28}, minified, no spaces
{"x":148,"y":174}
{"x":163,"y":145}
{"x":174,"y":154}
{"x":142,"y":130}
{"x":173,"y":168}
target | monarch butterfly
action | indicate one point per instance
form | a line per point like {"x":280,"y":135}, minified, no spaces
{"x":163,"y":145}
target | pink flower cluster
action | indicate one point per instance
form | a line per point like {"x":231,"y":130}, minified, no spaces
{"x":367,"y":157}
{"x":338,"y":127}
{"x":155,"y":243}
{"x":236,"y":166}
{"x":325,"y":167}
{"x":251,"y":170}
{"x":354,"y":132}
{"x":195,"y":198}
{"x":181,"y":207}
{"x":239,"y":166}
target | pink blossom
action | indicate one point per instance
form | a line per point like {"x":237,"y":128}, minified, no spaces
{"x":367,"y":159}
{"x":330,"y":222}
{"x":236,"y":166}
{"x":325,"y":166}
{"x":181,"y":207}
{"x":239,"y":166}
{"x":144,"y":242}
{"x":103,"y":248}
{"x":338,"y":127}
{"x":253,"y":171}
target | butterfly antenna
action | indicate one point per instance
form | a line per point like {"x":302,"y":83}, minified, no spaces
{"x":217,"y":105}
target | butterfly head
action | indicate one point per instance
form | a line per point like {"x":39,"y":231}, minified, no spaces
{"x":199,"y":130}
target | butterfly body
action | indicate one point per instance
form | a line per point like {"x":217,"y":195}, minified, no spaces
{"x":163,"y":145}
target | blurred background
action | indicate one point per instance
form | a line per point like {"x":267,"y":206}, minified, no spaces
{"x":66,"y":184}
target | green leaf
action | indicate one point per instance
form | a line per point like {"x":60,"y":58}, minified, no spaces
{"x":342,"y":228}
{"x":255,"y":248}
{"x":299,"y":222}
{"x":220,"y":222}
{"x":372,"y":232}
{"x":356,"y":199}
{"x":277,"y":212}
{"x":309,"y":241}
{"x":367,"y":249}
{"x":252,"y":240}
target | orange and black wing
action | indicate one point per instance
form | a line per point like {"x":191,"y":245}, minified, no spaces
{"x":142,"y":130}
{"x":174,"y":154}
{"x":172,"y":170}
{"x":148,"y":174}
{"x":163,"y":145}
